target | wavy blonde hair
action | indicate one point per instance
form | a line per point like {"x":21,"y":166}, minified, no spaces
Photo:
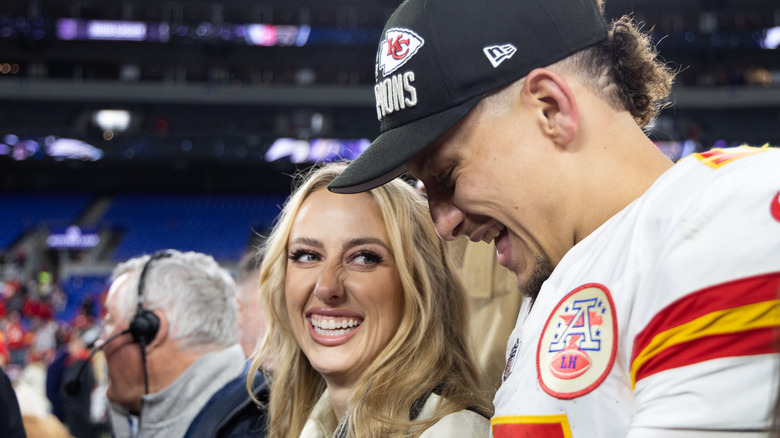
{"x":428,"y":350}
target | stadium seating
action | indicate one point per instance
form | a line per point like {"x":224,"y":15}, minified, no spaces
{"x":219,"y":225}
{"x":26,"y":212}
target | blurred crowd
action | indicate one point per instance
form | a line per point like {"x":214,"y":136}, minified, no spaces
{"x":39,"y":351}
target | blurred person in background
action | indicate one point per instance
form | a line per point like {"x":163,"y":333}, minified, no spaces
{"x":251,"y":317}
{"x":494,"y":300}
{"x":44,"y":427}
{"x":35,"y":408}
{"x":368,"y":330}
{"x":5,"y":355}
{"x":17,"y":339}
{"x":11,"y":425}
{"x":45,"y":342}
{"x":78,"y":407}
{"x":55,"y":371}
{"x":170,"y":341}
{"x":232,"y":411}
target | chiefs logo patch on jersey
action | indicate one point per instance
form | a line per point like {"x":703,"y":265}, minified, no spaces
{"x":578,"y":344}
{"x":398,"y":46}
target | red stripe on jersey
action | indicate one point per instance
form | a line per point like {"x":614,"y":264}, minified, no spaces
{"x":528,"y":430}
{"x":747,"y":343}
{"x":696,"y":304}
{"x":722,"y":297}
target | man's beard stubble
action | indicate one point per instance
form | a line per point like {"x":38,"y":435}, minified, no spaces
{"x":542,"y":269}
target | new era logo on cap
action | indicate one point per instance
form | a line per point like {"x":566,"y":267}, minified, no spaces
{"x":398,"y":47}
{"x":499,"y":54}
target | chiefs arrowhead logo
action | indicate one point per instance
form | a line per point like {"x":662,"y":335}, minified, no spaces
{"x":398,"y":46}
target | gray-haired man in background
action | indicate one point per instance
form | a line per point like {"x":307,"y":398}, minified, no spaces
{"x":170,"y":339}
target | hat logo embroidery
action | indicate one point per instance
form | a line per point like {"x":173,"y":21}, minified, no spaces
{"x":397,"y":48}
{"x":500,"y":53}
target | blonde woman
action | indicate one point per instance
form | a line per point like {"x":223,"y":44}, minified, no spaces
{"x":367,"y":322}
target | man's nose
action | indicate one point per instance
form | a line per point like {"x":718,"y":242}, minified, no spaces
{"x":447,"y":218}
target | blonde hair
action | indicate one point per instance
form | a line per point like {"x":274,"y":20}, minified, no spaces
{"x":429,"y":349}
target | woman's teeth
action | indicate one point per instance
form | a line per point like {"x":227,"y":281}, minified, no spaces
{"x":333,"y":326}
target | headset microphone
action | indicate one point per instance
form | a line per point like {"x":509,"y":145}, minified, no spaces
{"x":73,"y":386}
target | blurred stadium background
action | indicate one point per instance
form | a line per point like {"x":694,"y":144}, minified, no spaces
{"x":127,"y":127}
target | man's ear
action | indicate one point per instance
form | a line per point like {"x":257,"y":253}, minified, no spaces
{"x":550,"y":95}
{"x":162,"y":331}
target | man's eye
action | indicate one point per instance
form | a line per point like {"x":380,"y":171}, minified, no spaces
{"x":443,"y":178}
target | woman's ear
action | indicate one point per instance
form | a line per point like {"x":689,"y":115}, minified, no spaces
{"x":555,"y":104}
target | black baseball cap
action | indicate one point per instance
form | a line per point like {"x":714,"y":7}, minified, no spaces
{"x":438,"y":58}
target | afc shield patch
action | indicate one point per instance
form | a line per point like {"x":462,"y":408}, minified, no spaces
{"x":578,"y":343}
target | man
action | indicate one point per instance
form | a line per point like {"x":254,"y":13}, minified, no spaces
{"x":232,"y":412}
{"x":170,"y":340}
{"x":77,"y":406}
{"x":11,"y":424}
{"x":652,"y":287}
{"x":251,"y":320}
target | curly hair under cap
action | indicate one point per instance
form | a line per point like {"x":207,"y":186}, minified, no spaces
{"x":625,"y":70}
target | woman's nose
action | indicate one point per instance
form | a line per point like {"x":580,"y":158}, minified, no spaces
{"x":329,"y":287}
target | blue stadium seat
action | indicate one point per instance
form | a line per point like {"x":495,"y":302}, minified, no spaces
{"x":219,"y":225}
{"x":24,"y":212}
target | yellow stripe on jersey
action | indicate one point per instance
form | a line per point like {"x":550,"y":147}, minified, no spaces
{"x":759,"y":315}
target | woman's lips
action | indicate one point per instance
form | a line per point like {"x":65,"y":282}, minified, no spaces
{"x":331,"y":330}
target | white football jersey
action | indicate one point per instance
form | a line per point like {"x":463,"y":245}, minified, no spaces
{"x":662,"y":318}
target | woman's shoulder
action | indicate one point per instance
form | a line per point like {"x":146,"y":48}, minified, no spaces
{"x":465,"y":423}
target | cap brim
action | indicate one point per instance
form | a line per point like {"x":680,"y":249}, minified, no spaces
{"x":386,"y":157}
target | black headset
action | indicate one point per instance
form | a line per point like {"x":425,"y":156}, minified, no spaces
{"x":145,"y":324}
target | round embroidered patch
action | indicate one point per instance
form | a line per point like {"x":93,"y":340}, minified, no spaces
{"x":578,"y":344}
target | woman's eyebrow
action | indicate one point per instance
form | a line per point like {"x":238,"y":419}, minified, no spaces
{"x":365,"y":240}
{"x":308,"y":241}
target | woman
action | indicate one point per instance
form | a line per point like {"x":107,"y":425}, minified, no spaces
{"x":367,"y":322}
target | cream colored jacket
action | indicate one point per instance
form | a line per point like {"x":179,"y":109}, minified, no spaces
{"x":466,"y":424}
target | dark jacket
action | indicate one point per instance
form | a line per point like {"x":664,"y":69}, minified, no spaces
{"x":231,"y":413}
{"x":11,"y":425}
{"x":76,"y":405}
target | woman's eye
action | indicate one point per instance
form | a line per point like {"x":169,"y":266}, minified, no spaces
{"x":367,"y":258}
{"x":303,"y":256}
